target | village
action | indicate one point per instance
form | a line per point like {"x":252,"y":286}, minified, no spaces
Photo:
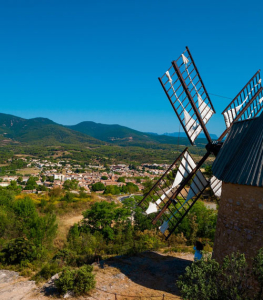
{"x":50,"y":175}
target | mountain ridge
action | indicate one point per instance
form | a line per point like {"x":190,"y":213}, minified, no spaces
{"x":44,"y":131}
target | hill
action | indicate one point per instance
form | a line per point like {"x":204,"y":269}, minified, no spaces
{"x":183,"y":134}
{"x":39,"y":131}
{"x":125,"y":136}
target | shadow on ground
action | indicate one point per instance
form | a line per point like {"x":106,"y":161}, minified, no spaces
{"x":151,"y":270}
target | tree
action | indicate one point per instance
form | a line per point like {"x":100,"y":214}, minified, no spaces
{"x":19,"y":179}
{"x":43,"y":178}
{"x":17,"y":251}
{"x":31,"y":183}
{"x":42,"y":188}
{"x":82,"y":192}
{"x":13,"y":186}
{"x":69,"y":197}
{"x":121,"y":179}
{"x":104,"y":177}
{"x":50,"y":178}
{"x":98,"y":186}
{"x":112,"y":189}
{"x":132,"y":188}
{"x":148,"y":184}
{"x":141,"y":221}
{"x":55,"y":192}
{"x":71,"y":184}
{"x":102,"y":216}
{"x":208,"y":171}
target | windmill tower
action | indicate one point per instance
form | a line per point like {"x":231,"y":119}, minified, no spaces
{"x":169,"y":200}
{"x":239,"y":165}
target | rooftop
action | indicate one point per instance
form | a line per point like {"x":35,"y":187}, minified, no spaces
{"x":240,"y":160}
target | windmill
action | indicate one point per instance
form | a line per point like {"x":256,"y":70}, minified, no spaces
{"x":172,"y":197}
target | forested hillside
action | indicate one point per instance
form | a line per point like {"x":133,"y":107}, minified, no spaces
{"x":40,"y":131}
{"x":125,"y":136}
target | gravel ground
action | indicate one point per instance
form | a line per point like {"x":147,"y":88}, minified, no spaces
{"x":149,"y":275}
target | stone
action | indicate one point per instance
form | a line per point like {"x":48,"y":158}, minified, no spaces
{"x":69,"y":294}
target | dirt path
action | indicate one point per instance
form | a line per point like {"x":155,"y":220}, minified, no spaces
{"x":64,"y":224}
{"x":149,"y":274}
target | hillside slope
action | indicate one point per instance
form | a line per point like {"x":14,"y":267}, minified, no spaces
{"x":124,"y":136}
{"x":40,"y":131}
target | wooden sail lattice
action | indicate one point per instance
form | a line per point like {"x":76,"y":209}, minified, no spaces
{"x":168,"y":201}
{"x":165,"y":191}
{"x":185,"y":90}
{"x":247,"y":104}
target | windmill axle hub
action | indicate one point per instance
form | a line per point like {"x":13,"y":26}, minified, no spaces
{"x":214,"y":147}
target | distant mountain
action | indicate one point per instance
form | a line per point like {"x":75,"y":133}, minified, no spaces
{"x":39,"y":131}
{"x":42,"y":131}
{"x":183,"y":134}
{"x":152,"y":133}
{"x":124,"y":136}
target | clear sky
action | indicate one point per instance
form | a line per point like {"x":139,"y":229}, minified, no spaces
{"x":83,"y":60}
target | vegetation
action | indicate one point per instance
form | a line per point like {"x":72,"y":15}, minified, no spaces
{"x":80,"y":280}
{"x":29,"y":242}
{"x":206,"y":279}
{"x":25,"y":235}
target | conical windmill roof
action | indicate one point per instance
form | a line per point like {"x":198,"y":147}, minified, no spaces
{"x":240,"y":159}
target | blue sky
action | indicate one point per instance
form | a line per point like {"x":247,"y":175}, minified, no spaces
{"x":82,"y":60}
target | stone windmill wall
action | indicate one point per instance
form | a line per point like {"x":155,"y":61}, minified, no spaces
{"x":239,"y":165}
{"x":240,"y":221}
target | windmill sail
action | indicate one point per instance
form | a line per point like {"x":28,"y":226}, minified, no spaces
{"x":216,"y":186}
{"x":187,"y":94}
{"x":186,"y":166}
{"x":191,"y":125}
{"x":238,"y":108}
{"x":205,"y":110}
{"x":256,"y":107}
{"x":197,"y":186}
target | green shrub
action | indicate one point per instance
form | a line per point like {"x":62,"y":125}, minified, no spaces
{"x":17,"y":251}
{"x":78,"y":280}
{"x":84,"y":280}
{"x":207,"y":280}
{"x":67,"y":257}
{"x":47,"y":271}
{"x":66,"y":281}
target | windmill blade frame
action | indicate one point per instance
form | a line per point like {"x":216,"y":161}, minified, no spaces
{"x":236,"y":110}
{"x":171,"y":209}
{"x":188,"y":96}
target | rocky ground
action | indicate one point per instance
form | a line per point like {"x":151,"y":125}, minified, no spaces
{"x":149,"y":275}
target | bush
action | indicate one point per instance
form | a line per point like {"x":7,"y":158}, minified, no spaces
{"x":17,"y":251}
{"x":47,"y":271}
{"x":79,"y":280}
{"x":207,"y":280}
{"x":69,"y":197}
{"x":65,"y":282}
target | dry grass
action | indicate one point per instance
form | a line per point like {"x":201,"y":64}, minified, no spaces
{"x":31,"y":171}
{"x":64,"y":224}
